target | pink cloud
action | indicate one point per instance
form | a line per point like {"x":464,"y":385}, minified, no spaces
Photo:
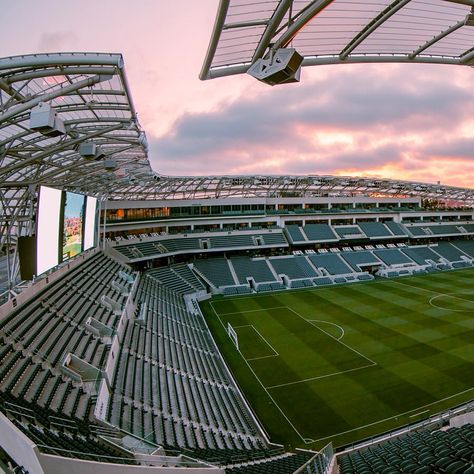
{"x":400,"y":121}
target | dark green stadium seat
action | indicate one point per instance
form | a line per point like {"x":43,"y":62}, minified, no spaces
{"x":423,"y":470}
{"x":443,"y":462}
{"x":465,"y":453}
{"x":457,"y":467}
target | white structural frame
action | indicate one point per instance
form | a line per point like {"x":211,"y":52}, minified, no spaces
{"x":340,"y":32}
{"x":91,"y":96}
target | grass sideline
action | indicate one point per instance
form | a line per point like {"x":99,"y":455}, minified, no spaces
{"x":343,"y":363}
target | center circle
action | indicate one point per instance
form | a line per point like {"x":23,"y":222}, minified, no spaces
{"x":453,"y":302}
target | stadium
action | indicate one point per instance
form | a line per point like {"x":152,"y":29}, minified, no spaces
{"x":230,"y":323}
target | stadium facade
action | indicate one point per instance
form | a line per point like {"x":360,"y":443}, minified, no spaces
{"x":107,"y":362}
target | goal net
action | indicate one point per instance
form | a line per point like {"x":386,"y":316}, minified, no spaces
{"x":233,"y":335}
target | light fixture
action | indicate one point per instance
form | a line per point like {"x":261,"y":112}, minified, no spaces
{"x":45,"y":120}
{"x":91,"y":151}
{"x":280,"y":67}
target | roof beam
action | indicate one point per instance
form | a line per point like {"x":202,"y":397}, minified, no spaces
{"x":6,"y":87}
{"x":57,"y":148}
{"x":462,"y":2}
{"x":214,"y":41}
{"x":372,"y":26}
{"x":90,"y":81}
{"x":468,"y":57}
{"x":68,"y":71}
{"x":244,"y":24}
{"x":271,"y":28}
{"x":315,"y":7}
{"x":64,"y":59}
{"x":434,"y":40}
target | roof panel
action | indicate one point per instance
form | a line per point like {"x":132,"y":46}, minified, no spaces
{"x":90,"y":96}
{"x":456,"y":44}
{"x":338,"y":31}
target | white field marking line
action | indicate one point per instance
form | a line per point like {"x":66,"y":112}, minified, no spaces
{"x":269,"y":345}
{"x":438,"y":294}
{"x":246,"y":311}
{"x":394,"y":416}
{"x":419,"y":413}
{"x":276,"y":354}
{"x":267,"y":294}
{"x":451,"y":295}
{"x":321,"y":376}
{"x":262,"y":357}
{"x":263,"y":386}
{"x":328,"y":322}
{"x":330,"y":335}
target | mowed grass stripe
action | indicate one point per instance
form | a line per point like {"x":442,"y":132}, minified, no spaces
{"x":423,"y":355}
{"x":399,"y":385}
{"x":305,"y":351}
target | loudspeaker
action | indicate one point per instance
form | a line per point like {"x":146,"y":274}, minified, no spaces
{"x":281,"y":68}
{"x":27,"y":254}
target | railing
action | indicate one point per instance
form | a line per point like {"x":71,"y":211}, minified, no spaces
{"x":436,"y":420}
{"x":319,"y":463}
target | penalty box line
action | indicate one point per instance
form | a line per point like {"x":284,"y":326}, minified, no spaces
{"x":275,"y":354}
{"x":305,"y":440}
{"x":320,"y":377}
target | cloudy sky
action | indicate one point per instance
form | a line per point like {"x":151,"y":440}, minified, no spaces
{"x":408,"y":122}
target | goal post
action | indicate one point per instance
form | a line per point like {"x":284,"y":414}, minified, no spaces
{"x":233,"y":335}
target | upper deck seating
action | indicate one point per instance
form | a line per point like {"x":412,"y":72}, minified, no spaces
{"x":349,"y":232}
{"x":449,"y":252}
{"x":421,"y":255}
{"x":392,"y":257}
{"x":466,"y":246}
{"x":295,"y":234}
{"x":331,"y":262}
{"x":396,"y":228}
{"x":257,"y":269}
{"x":355,"y":259}
{"x":295,"y":267}
{"x":216,"y":270}
{"x":375,"y":230}
{"x":320,"y":232}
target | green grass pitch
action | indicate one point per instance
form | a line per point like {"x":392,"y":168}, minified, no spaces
{"x":343,"y":363}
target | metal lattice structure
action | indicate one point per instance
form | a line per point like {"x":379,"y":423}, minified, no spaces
{"x":90,"y":95}
{"x":200,"y":187}
{"x":340,"y":32}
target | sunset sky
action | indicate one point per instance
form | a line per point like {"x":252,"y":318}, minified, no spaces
{"x":408,"y":122}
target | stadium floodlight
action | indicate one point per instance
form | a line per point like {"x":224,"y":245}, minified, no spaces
{"x":281,"y":67}
{"x":91,"y":151}
{"x":44,"y":119}
{"x":88,"y":150}
{"x":110,"y":165}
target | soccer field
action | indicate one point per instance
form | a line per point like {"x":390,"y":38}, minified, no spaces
{"x":342,"y":363}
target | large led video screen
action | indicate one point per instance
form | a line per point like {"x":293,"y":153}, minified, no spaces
{"x":66,"y":225}
{"x":47,"y":229}
{"x":72,"y":224}
{"x":89,"y":225}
